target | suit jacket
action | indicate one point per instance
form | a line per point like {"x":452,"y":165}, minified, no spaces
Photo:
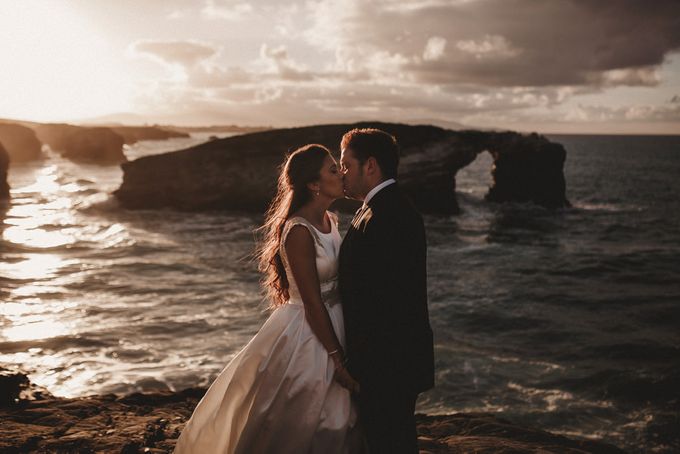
{"x":383,"y":286}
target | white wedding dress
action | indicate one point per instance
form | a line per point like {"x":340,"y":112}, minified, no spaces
{"x":278,"y":394}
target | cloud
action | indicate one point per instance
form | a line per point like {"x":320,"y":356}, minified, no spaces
{"x":489,"y":46}
{"x":630,"y":113}
{"x":184,"y":53}
{"x":214,"y":77}
{"x":278,"y":62}
{"x":228,"y":10}
{"x":434,"y":48}
{"x":517,"y":42}
{"x":468,"y":60}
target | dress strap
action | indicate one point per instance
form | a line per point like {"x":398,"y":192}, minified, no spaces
{"x":334,"y":219}
{"x":298,"y":220}
{"x":290,"y":223}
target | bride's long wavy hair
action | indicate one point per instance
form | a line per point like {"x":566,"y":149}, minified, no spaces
{"x":301,"y":167}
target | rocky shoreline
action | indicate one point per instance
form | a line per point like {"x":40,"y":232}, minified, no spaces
{"x":35,"y":421}
{"x":103,"y":145}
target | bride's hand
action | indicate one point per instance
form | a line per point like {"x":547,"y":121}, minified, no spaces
{"x":343,"y":377}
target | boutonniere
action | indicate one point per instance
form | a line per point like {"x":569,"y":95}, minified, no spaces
{"x":360,"y":222}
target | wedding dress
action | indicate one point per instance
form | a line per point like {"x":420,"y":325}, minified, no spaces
{"x":278,"y":394}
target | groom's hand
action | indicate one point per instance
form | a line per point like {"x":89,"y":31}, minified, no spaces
{"x":343,"y":377}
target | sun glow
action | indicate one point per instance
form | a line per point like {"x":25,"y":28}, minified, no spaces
{"x":55,"y":64}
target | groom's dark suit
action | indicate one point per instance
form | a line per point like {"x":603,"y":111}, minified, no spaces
{"x":383,"y":286}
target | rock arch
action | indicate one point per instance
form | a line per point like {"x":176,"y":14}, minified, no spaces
{"x":240,"y":172}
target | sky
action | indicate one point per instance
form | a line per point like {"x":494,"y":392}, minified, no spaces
{"x":573,"y":66}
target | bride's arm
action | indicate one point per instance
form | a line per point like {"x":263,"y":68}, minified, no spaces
{"x":302,"y":260}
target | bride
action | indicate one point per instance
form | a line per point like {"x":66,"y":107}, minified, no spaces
{"x":287,"y":390}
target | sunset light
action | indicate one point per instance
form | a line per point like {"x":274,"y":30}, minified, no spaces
{"x":339,"y":226}
{"x":291,"y":63}
{"x":56,"y":64}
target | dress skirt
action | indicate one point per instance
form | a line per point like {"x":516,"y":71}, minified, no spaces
{"x":277,"y":395}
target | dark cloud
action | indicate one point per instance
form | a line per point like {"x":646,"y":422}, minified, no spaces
{"x":522,"y":42}
{"x":476,"y":61}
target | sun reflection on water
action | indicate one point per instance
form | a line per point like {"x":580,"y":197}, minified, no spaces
{"x":46,"y":182}
{"x":34,"y":266}
{"x":41,"y":222}
{"x":36,"y":330}
{"x":38,"y":238}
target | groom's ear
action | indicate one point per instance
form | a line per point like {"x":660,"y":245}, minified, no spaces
{"x":372,"y":166}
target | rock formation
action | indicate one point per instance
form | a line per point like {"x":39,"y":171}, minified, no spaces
{"x":528,"y":169}
{"x":152,"y":422}
{"x":97,"y":145}
{"x":4,"y":165}
{"x":132,"y":134}
{"x":239,"y":173}
{"x":20,"y":142}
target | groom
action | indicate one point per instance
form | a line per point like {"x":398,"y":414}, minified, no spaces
{"x":382,"y":279}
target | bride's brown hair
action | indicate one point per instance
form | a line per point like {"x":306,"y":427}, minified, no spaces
{"x":301,"y":167}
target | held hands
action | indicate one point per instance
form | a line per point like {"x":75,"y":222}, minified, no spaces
{"x":342,"y":376}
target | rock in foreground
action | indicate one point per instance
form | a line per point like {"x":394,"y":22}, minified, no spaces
{"x":4,"y":165}
{"x":239,"y":173}
{"x":152,"y":423}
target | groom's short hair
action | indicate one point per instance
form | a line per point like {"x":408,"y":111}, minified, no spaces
{"x":371,"y":142}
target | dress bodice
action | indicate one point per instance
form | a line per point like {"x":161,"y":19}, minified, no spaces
{"x":327,"y":246}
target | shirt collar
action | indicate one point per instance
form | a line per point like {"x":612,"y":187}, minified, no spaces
{"x":375,"y":190}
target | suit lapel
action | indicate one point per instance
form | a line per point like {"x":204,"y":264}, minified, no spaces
{"x":363,"y":216}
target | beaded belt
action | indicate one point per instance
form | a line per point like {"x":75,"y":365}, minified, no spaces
{"x":329,"y":294}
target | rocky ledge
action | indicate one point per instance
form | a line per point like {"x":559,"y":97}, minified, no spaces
{"x":33,"y":420}
{"x":239,"y":173}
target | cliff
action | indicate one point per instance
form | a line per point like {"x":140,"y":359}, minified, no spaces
{"x":132,"y":134}
{"x":97,"y":145}
{"x":20,"y":143}
{"x":152,"y":422}
{"x":239,"y":173}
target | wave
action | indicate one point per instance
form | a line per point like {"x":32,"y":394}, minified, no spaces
{"x":57,"y":343}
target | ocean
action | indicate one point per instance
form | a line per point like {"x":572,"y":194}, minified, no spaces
{"x":564,"y":320}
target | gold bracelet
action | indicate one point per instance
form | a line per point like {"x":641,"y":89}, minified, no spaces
{"x":334,"y":352}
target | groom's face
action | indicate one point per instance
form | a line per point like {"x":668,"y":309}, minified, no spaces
{"x":354,"y":178}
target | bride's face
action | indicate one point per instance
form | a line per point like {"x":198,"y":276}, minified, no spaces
{"x":330,"y":179}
